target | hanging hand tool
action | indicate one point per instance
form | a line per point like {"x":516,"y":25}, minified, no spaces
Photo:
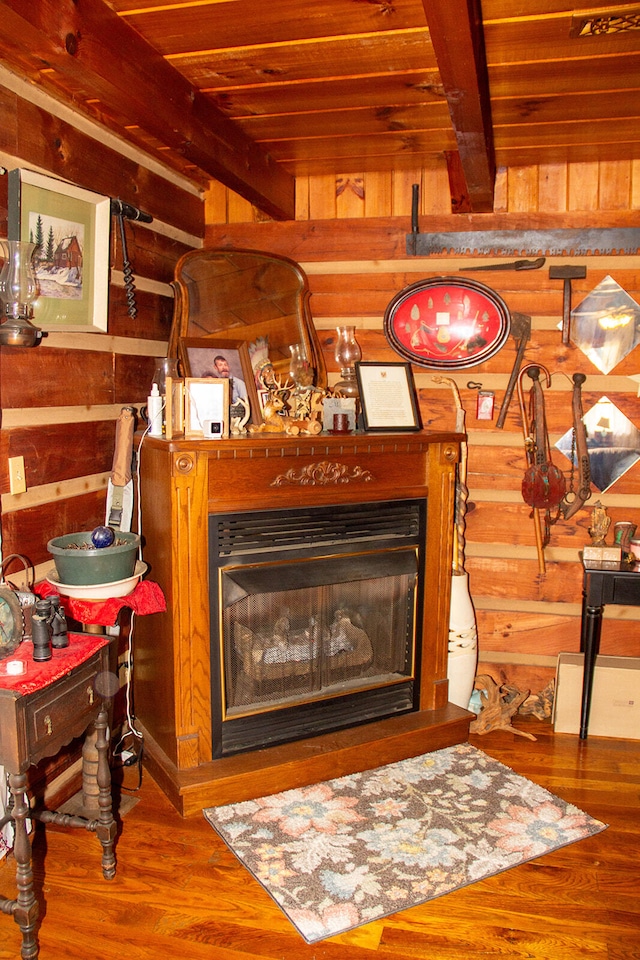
{"x":567,"y":274}
{"x":521,"y":332}
{"x":120,"y":490}
{"x":124,"y":211}
{"x":521,"y":243}
{"x":544,"y":485}
{"x":528,"y":243}
{"x":514,"y":265}
{"x":574,"y":500}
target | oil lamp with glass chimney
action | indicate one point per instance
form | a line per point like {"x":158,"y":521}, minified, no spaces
{"x":18,"y":290}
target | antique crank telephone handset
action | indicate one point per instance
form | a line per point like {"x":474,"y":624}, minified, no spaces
{"x":574,"y":500}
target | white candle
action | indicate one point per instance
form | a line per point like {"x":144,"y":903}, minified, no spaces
{"x":15,"y":668}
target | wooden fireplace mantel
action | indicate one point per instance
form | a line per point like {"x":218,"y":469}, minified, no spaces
{"x":182,"y":482}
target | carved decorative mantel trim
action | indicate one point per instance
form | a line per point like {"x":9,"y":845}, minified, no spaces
{"x":321,"y":474}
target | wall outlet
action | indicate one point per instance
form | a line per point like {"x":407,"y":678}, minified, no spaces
{"x":17,"y":479}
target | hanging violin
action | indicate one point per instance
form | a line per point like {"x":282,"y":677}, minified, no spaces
{"x":544,"y":485}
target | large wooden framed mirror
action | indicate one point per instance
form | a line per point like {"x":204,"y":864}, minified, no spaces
{"x":243,"y":295}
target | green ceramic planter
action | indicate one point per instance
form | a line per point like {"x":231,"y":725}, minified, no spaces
{"x":90,"y":565}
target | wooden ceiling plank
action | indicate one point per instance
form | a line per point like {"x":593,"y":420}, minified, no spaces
{"x":581,"y":75}
{"x":175,"y":31}
{"x":90,"y":43}
{"x":354,"y":122}
{"x":359,"y":152}
{"x":583,"y":108}
{"x":381,"y":92}
{"x":311,"y":61}
{"x":539,"y":9}
{"x":457,"y":38}
{"x":549,"y":40}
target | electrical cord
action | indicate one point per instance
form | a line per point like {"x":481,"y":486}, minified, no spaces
{"x":133,"y":754}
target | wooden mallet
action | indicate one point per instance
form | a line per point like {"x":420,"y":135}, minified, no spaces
{"x":567,"y":274}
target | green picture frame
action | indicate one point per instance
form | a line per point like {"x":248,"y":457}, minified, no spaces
{"x":71,"y":226}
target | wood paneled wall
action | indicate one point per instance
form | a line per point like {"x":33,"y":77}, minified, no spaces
{"x":60,"y":400}
{"x":350,"y":239}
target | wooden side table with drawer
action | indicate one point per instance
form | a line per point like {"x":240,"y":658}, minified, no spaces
{"x":40,"y":711}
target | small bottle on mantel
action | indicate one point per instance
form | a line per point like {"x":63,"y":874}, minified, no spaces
{"x":154,"y":411}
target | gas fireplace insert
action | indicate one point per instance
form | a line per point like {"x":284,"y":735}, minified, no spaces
{"x":314,"y":619}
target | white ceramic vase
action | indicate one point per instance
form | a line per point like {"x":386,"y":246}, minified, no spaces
{"x":463,"y":642}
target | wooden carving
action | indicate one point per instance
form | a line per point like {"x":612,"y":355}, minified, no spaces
{"x":499,"y":705}
{"x":322,"y":473}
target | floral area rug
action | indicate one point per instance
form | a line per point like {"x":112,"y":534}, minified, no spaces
{"x":342,"y":853}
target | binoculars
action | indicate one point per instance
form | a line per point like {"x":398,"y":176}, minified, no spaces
{"x":49,"y":627}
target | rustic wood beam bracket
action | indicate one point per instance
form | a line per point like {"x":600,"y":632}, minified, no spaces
{"x":93,"y":48}
{"x":458,"y":41}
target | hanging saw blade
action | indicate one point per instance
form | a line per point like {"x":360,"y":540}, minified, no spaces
{"x":497,"y":243}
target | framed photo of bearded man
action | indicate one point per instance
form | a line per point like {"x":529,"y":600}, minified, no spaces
{"x":226,"y":360}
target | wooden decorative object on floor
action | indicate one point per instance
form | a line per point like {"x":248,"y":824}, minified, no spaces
{"x":540,"y":704}
{"x":499,"y":704}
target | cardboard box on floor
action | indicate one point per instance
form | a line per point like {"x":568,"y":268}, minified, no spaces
{"x":615,"y":701}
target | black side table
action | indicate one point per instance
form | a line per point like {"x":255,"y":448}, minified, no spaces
{"x":620,"y":586}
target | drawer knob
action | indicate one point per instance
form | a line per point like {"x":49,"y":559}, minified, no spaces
{"x":48,"y":725}
{"x":90,"y":695}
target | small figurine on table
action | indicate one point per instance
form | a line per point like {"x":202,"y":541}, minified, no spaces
{"x":600,"y":524}
{"x":599,"y":555}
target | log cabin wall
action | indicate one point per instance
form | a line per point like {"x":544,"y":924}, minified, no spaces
{"x":59,"y":401}
{"x":349,"y":236}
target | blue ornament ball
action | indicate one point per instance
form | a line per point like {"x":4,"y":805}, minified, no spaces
{"x":102,"y":537}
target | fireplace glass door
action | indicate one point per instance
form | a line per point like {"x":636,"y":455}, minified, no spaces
{"x":315,"y":624}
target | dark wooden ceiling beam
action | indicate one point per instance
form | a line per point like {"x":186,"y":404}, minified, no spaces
{"x":92,"y":46}
{"x":457,"y":37}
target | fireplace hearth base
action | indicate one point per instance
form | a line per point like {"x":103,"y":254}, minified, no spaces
{"x":259,"y":773}
{"x":177,"y":669}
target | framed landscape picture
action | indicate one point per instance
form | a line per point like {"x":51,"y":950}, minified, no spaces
{"x":70,"y":226}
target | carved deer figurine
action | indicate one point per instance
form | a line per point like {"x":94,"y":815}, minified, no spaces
{"x":276,"y":422}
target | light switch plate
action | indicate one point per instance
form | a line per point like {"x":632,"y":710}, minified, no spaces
{"x":17,"y":479}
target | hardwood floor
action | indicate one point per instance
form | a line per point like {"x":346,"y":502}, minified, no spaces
{"x":180,"y":893}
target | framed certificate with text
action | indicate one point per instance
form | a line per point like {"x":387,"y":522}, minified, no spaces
{"x":387,"y":396}
{"x":447,"y":323}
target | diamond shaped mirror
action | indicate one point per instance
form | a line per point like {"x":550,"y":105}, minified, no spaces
{"x":605,"y":325}
{"x":613,"y":442}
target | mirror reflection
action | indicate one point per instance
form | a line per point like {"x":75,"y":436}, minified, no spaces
{"x":227,"y":294}
{"x":606,"y":325}
{"x":613,"y":442}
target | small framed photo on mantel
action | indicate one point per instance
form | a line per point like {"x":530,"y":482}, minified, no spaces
{"x":206,"y":408}
{"x":222,"y":359}
{"x":388,"y":396}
